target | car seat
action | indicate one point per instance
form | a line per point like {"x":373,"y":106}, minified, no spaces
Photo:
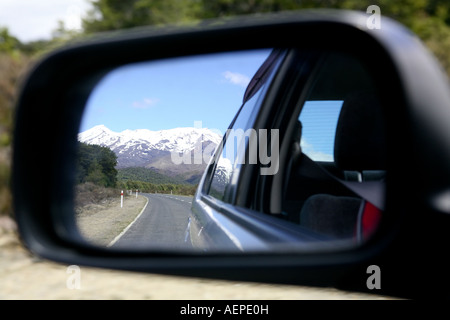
{"x":359,"y":148}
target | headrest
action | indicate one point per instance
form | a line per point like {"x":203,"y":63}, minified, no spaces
{"x":360,"y":134}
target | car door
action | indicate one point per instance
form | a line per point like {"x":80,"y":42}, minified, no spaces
{"x":217,"y":222}
{"x":266,"y":172}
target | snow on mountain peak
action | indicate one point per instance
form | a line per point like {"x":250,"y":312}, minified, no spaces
{"x":176,"y":140}
{"x":157,"y":150}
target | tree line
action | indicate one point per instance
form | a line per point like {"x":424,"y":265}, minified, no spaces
{"x":148,"y":187}
{"x":97,"y":165}
{"x":146,"y":175}
{"x":429,"y":19}
{"x":149,"y":181}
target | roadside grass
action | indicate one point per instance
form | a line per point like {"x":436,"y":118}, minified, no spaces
{"x":100,"y":217}
{"x":87,"y":194}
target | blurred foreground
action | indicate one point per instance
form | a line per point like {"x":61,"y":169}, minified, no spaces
{"x":26,"y":277}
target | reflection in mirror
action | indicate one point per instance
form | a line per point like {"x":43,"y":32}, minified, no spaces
{"x":138,"y":167}
{"x":150,"y":129}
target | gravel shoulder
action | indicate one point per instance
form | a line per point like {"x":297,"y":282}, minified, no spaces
{"x":102,"y":223}
{"x":24,"y":276}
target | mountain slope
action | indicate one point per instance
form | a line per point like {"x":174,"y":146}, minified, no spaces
{"x":146,"y":175}
{"x":179,"y":152}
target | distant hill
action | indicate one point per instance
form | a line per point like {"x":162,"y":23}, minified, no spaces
{"x":147,"y":175}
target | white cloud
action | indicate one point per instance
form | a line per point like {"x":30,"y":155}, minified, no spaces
{"x":145,"y":103}
{"x":308,"y":149}
{"x":236,"y":78}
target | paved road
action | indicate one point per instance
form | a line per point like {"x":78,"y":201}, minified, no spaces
{"x":162,"y":224}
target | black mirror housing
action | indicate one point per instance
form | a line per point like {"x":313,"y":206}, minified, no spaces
{"x":51,"y":106}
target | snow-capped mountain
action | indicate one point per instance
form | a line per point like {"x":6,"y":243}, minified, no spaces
{"x":161,"y":150}
{"x":138,"y":148}
{"x":177,"y":140}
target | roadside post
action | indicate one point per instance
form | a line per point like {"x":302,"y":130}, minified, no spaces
{"x":121,"y":199}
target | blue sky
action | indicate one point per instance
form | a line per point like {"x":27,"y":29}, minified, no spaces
{"x":173,"y":93}
{"x":319,"y":121}
{"x":179,"y":92}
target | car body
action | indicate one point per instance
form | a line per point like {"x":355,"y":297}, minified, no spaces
{"x":334,"y":89}
{"x":389,"y":161}
{"x":359,"y":152}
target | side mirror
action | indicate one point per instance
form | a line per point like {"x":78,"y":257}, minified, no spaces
{"x":227,"y":220}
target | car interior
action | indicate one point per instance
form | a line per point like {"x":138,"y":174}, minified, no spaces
{"x":343,"y":198}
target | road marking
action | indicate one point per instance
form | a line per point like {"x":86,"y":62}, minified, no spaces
{"x":127,"y":227}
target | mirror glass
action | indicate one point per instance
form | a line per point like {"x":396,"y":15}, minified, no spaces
{"x":150,"y":129}
{"x":138,"y":122}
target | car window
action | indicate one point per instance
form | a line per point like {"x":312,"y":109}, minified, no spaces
{"x":319,"y":120}
{"x":238,"y":137}
{"x":233,"y":149}
{"x":340,"y":129}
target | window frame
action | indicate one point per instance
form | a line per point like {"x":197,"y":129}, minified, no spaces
{"x":263,"y":90}
{"x":285,"y":93}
